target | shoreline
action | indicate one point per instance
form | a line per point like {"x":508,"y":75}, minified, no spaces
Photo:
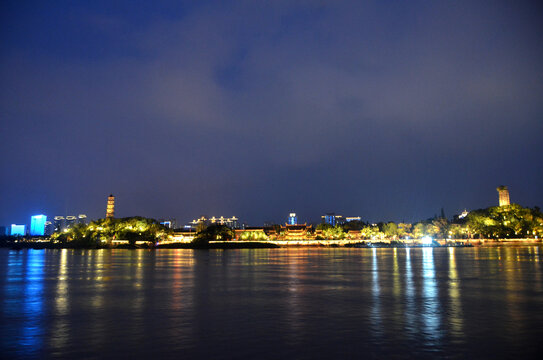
{"x":233,"y":245}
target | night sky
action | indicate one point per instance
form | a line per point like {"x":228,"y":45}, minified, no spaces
{"x":386,"y":110}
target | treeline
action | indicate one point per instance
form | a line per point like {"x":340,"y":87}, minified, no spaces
{"x":501,"y":222}
{"x":104,"y":230}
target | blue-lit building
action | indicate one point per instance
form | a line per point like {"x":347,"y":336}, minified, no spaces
{"x":331,"y":219}
{"x":292,"y":219}
{"x":37,"y":225}
{"x":18,"y":230}
{"x":167,"y":223}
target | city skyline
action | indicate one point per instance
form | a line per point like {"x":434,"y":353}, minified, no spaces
{"x":60,"y":222}
{"x":388,"y":112}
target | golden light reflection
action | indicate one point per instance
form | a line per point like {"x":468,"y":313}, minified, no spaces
{"x":376,"y":292}
{"x":294,"y":258}
{"x":410,"y":312}
{"x":431,"y":316}
{"x":456,"y":316}
{"x":60,"y":328}
{"x":514,"y":286}
{"x":396,"y":272}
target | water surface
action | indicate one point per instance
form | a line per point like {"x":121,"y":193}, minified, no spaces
{"x":298,"y":303}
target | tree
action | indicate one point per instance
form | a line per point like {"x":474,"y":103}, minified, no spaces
{"x":390,"y":229}
{"x":215,"y":232}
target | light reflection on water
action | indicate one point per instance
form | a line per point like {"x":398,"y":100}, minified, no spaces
{"x":268,"y":304}
{"x":430,"y":306}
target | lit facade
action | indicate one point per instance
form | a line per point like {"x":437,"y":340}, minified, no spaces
{"x":231,"y":222}
{"x":37,"y":225}
{"x":331,"y":219}
{"x":49,"y":228}
{"x":70,"y":221}
{"x":17,"y":230}
{"x":503,"y":195}
{"x":353,"y":218}
{"x":58,"y":223}
{"x":296,"y":232}
{"x":170,"y":223}
{"x":82,"y":219}
{"x":292,"y":219}
{"x":110,"y":210}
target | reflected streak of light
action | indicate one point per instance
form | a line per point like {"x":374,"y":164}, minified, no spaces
{"x":513,"y":287}
{"x":294,"y":313}
{"x":396,"y":272}
{"x":376,"y":291}
{"x":60,"y":332}
{"x":430,"y":312}
{"x":138,"y":282}
{"x":33,"y":300}
{"x":456,"y":317}
{"x":537,"y":269}
{"x":409,"y":292}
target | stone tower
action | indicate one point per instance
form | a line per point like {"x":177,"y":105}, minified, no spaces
{"x":110,"y":210}
{"x":503,"y":194}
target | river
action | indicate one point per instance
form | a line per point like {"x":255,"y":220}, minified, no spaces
{"x":289,"y":303}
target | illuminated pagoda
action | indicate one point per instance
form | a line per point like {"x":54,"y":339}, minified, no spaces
{"x":296,"y":232}
{"x":503,"y":195}
{"x":110,"y":210}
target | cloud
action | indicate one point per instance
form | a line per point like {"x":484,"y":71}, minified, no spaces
{"x":243,"y":96}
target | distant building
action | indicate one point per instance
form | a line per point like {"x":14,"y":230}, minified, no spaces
{"x":37,"y":225}
{"x":58,"y":224}
{"x":292,"y":219}
{"x":231,"y":222}
{"x":82,"y":219}
{"x":18,"y":230}
{"x":70,"y":221}
{"x":49,"y":228}
{"x":110,"y":209}
{"x":463,"y":214}
{"x":331,"y":219}
{"x":170,"y":223}
{"x":296,"y":232}
{"x":353,"y":218}
{"x":503,"y":195}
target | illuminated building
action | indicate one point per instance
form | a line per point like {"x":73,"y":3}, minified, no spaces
{"x":37,"y":225}
{"x":110,"y":210}
{"x":503,"y":195}
{"x":231,"y":222}
{"x":292,"y":219}
{"x":170,"y":223}
{"x":353,"y":218}
{"x":58,"y":223}
{"x":49,"y":228}
{"x":331,"y":219}
{"x":296,"y":232}
{"x":70,"y":221}
{"x":17,"y":230}
{"x":463,"y":214}
{"x":82,"y":219}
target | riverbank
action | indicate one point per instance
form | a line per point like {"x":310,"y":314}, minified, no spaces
{"x":279,"y":244}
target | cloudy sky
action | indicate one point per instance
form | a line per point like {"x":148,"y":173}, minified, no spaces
{"x":385,"y":110}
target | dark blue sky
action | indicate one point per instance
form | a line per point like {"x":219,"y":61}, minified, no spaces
{"x":386,"y":110}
